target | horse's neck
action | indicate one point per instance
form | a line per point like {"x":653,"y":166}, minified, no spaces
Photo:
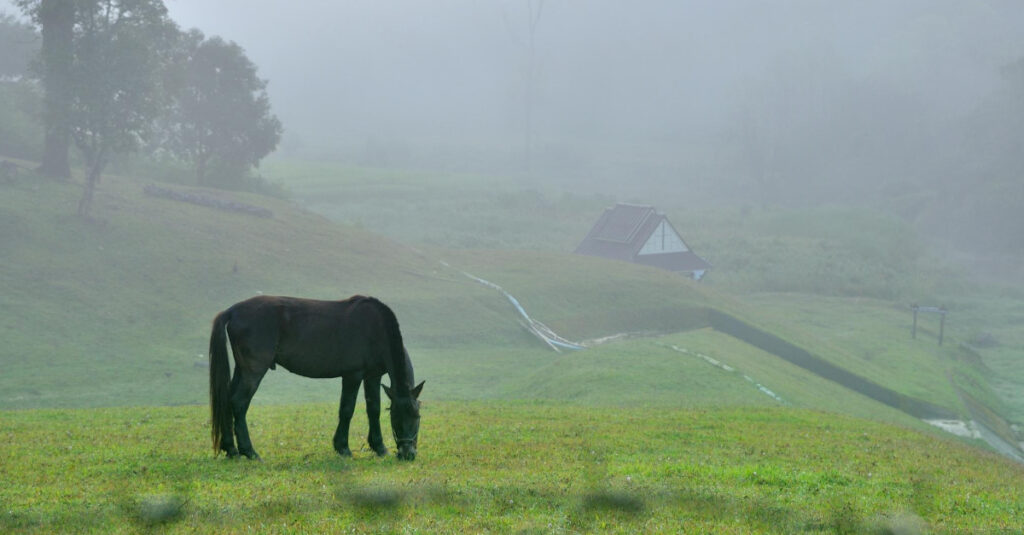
{"x":401,"y":375}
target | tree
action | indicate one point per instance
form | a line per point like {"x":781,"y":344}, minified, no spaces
{"x":57,"y":20}
{"x":119,"y":56}
{"x":20,"y":101}
{"x":219,"y":119}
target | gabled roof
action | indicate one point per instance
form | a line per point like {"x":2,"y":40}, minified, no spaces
{"x":621,"y":232}
{"x":622,"y":223}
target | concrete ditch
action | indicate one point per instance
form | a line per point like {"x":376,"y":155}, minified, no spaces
{"x":983,"y":423}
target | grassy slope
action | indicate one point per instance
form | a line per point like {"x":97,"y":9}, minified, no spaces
{"x":873,"y":338}
{"x":129,"y":300}
{"x":117,"y":312}
{"x":126,"y":302}
{"x":654,"y":370}
{"x":126,"y":305}
{"x":992,"y":323}
{"x":866,"y":336}
{"x":440,"y":209}
{"x":501,"y":467}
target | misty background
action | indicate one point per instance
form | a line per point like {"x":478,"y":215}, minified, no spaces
{"x":912,"y":106}
{"x":614,"y":80}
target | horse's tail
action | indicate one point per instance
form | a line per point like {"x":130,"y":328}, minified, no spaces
{"x":220,"y":382}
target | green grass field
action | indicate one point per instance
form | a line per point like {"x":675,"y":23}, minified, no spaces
{"x":106,"y":323}
{"x":502,"y":467}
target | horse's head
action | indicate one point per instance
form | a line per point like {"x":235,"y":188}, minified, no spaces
{"x":405,"y":420}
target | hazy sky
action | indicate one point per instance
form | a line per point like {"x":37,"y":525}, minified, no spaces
{"x":608,"y":72}
{"x":455,"y":69}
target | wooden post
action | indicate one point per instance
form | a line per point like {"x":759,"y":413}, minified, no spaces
{"x":941,"y":311}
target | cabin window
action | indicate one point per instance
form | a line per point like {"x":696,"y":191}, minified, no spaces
{"x":663,"y":240}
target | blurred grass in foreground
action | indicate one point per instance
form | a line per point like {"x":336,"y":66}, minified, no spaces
{"x":507,"y":467}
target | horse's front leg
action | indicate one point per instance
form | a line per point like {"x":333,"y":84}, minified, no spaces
{"x":371,"y":391}
{"x":349,"y":392}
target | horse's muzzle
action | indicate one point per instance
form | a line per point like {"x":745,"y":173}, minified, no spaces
{"x":406,"y":452}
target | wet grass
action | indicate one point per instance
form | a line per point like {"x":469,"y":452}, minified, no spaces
{"x":116,"y":311}
{"x":506,"y":467}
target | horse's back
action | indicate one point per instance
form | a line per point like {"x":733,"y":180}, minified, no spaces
{"x":312,"y":337}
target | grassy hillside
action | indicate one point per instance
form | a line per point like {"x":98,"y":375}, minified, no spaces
{"x":116,"y":312}
{"x":441,"y":209}
{"x":702,"y":368}
{"x":873,"y":338}
{"x":829,"y":250}
{"x":690,"y":430}
{"x":836,"y":279}
{"x":990,"y":325}
{"x":509,"y":467}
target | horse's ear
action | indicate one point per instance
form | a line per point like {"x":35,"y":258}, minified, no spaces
{"x":416,"y":391}
{"x":387,"y":391}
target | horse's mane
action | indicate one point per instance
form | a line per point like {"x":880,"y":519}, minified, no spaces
{"x":400,"y":368}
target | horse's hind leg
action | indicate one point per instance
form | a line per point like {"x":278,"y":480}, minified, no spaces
{"x":227,"y":441}
{"x":349,"y":393}
{"x":243,"y":386}
{"x":371,"y":391}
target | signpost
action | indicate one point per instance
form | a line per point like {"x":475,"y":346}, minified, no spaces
{"x":941,"y":311}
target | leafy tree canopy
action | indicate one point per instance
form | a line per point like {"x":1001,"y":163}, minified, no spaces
{"x":219,"y":119}
{"x":118,"y":55}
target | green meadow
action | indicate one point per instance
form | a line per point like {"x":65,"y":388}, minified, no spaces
{"x":671,"y":425}
{"x":505,"y":467}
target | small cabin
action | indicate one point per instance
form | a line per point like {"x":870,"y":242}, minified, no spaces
{"x":640,"y":234}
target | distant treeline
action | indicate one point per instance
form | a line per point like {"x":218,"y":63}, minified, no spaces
{"x":117,"y":78}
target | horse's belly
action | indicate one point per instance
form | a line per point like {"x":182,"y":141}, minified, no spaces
{"x":320,"y":366}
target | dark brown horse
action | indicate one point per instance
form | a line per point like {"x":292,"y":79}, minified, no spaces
{"x":357,"y":339}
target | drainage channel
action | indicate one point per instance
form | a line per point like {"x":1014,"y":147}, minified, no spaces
{"x":930,"y":413}
{"x":538,"y":329}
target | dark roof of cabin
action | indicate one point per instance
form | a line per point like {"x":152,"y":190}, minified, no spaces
{"x":621,"y":232}
{"x":622,"y":223}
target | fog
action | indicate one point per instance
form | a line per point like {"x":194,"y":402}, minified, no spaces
{"x":612,"y":80}
{"x":764,"y":102}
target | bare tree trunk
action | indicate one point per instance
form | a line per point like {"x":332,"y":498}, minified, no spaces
{"x":57,"y":18}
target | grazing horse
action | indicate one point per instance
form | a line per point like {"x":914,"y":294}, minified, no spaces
{"x":356,"y":339}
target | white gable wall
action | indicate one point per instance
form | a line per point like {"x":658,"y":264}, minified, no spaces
{"x":664,"y":239}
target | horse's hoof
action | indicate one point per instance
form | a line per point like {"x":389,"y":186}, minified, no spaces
{"x":382,"y":452}
{"x":344,"y":452}
{"x":252,"y":455}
